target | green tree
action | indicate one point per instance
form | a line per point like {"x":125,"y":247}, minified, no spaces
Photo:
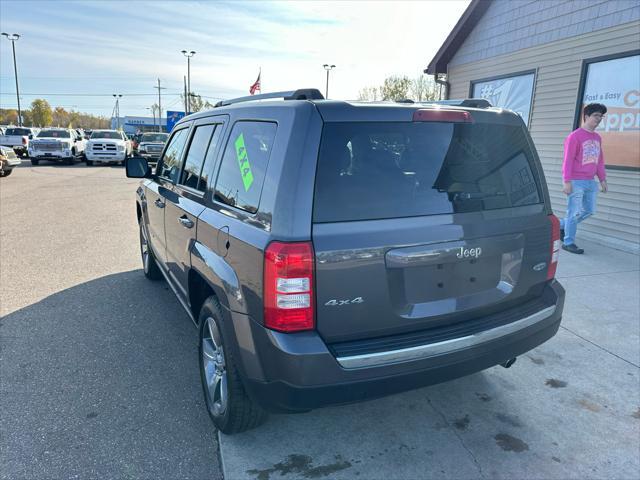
{"x":74,"y":120}
{"x":60,"y":117}
{"x":395,"y":88}
{"x":41,"y":113}
{"x":8,"y":116}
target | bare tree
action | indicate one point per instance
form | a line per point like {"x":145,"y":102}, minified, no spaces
{"x":369,"y":94}
{"x":423,"y":88}
{"x":197,"y":103}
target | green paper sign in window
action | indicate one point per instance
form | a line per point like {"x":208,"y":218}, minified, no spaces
{"x":243,"y":163}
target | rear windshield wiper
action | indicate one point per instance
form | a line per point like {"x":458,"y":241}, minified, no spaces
{"x":476,"y":195}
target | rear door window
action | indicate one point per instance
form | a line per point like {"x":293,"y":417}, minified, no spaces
{"x":209,"y":162}
{"x":383,"y":170}
{"x":195,"y":156}
{"x":244,"y":165}
{"x":170,"y":165}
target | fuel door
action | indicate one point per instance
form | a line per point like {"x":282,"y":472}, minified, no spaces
{"x":223,"y":241}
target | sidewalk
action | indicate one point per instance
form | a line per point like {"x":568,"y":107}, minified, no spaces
{"x":568,"y":409}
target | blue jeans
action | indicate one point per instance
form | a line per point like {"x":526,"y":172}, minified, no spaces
{"x":581,"y":204}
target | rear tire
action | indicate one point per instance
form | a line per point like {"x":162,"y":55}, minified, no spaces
{"x":149,"y":265}
{"x":229,"y":406}
{"x":69,"y":161}
{"x":5,"y":173}
{"x":89,"y":163}
{"x":34,"y":162}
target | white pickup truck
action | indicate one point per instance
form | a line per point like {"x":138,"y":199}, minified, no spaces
{"x":107,"y":146}
{"x":57,"y":144}
{"x":18,"y":138}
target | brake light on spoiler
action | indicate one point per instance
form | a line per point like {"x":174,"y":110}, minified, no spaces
{"x":442,"y":115}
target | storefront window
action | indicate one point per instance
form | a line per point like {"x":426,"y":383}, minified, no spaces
{"x":511,"y":92}
{"x":616,"y":84}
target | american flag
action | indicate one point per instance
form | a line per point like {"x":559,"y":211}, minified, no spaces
{"x":256,"y":85}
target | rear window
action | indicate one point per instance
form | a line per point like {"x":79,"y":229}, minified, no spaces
{"x":54,"y":134}
{"x":18,"y":131}
{"x":107,"y":134}
{"x":380,"y":170}
{"x":155,"y":137}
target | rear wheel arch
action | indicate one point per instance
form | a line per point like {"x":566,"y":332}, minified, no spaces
{"x":200,"y":289}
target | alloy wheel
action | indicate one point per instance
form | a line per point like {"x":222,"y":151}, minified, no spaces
{"x":215,"y":373}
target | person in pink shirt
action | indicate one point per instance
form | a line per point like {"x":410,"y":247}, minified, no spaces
{"x":583,"y":160}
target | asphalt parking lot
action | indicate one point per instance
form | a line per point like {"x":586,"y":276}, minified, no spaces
{"x":98,"y":370}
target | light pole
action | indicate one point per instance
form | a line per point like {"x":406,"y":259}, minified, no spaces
{"x":117,"y":96}
{"x":13,"y":37}
{"x":153,"y":110}
{"x":328,"y":68}
{"x":188,"y":55}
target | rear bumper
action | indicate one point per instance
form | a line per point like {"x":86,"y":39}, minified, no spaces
{"x":297,"y":372}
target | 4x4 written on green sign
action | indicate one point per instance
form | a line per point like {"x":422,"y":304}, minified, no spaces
{"x":243,"y":163}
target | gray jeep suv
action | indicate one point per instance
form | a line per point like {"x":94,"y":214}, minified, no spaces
{"x":331,"y":252}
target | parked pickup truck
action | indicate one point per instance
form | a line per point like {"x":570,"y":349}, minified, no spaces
{"x":56,"y":144}
{"x":107,"y":146}
{"x":151,"y":145}
{"x":18,"y":138}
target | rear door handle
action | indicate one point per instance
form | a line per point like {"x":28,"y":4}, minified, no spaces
{"x":184,"y":220}
{"x":159,"y":203}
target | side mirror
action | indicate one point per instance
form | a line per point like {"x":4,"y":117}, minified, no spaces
{"x":137,"y":167}
{"x":31,"y":136}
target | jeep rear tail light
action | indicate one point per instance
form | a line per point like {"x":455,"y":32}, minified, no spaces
{"x":24,"y":140}
{"x":288,"y":287}
{"x":441,"y":115}
{"x":555,"y":246}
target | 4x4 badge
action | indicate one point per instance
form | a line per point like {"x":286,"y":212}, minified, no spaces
{"x":339,"y":303}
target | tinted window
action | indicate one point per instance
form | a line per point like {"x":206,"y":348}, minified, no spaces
{"x":170,"y":166}
{"x":107,"y":134}
{"x":244,"y":165}
{"x":209,"y":162}
{"x":195,"y":156}
{"x":18,"y":131}
{"x":154,"y":137}
{"x":54,"y":134}
{"x":388,"y":170}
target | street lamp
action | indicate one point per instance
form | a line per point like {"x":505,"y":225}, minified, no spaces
{"x":328,"y":68}
{"x":13,"y":37}
{"x":117,"y":96}
{"x":188,"y":55}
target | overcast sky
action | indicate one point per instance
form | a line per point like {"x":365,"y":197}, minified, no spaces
{"x":95,"y":49}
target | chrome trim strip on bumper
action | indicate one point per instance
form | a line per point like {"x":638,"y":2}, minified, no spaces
{"x":446,"y":346}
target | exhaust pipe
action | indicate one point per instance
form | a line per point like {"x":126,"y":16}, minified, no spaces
{"x":509,"y":362}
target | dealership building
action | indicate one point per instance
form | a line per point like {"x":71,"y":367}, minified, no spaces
{"x":132,"y":125}
{"x":545,"y":60}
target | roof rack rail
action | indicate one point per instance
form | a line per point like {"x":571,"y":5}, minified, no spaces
{"x":465,"y":102}
{"x":300,"y":94}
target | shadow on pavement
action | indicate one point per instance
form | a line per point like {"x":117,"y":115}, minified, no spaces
{"x":101,"y":380}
